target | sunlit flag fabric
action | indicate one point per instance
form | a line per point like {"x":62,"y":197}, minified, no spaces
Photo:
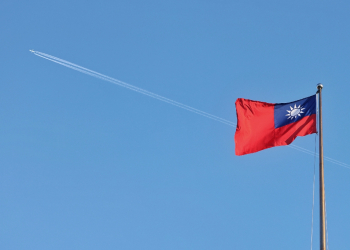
{"x":262,"y":125}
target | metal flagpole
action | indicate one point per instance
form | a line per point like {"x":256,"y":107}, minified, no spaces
{"x":322,"y":195}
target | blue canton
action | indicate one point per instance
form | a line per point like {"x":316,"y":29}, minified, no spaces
{"x":287,"y":113}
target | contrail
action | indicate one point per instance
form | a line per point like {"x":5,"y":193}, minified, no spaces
{"x":325,"y":157}
{"x":131,"y":87}
{"x":161,"y":98}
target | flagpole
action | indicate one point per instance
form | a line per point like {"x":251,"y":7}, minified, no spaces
{"x":321,"y":175}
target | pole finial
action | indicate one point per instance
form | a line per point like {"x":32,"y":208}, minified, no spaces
{"x":319,"y":86}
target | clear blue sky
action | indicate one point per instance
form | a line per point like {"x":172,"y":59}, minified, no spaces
{"x":85,"y":164}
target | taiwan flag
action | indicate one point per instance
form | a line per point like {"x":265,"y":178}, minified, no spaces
{"x":262,"y":125}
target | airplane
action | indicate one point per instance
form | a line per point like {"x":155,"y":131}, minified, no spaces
{"x":31,"y":50}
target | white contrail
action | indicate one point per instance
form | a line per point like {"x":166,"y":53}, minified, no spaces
{"x":161,"y":98}
{"x":325,"y":157}
{"x":131,"y":87}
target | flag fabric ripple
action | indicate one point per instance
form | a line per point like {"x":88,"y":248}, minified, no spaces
{"x":262,"y":125}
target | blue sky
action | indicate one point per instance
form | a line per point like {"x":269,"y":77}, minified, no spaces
{"x":86,"y":164}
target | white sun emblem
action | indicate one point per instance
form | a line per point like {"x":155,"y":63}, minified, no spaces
{"x":295,"y":112}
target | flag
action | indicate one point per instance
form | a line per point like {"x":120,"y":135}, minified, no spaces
{"x":262,"y":125}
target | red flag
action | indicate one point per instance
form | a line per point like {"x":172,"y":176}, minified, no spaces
{"x":262,"y":125}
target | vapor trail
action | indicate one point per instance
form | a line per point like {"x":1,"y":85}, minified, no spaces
{"x":325,"y":157}
{"x":131,"y":87}
{"x":161,"y":98}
